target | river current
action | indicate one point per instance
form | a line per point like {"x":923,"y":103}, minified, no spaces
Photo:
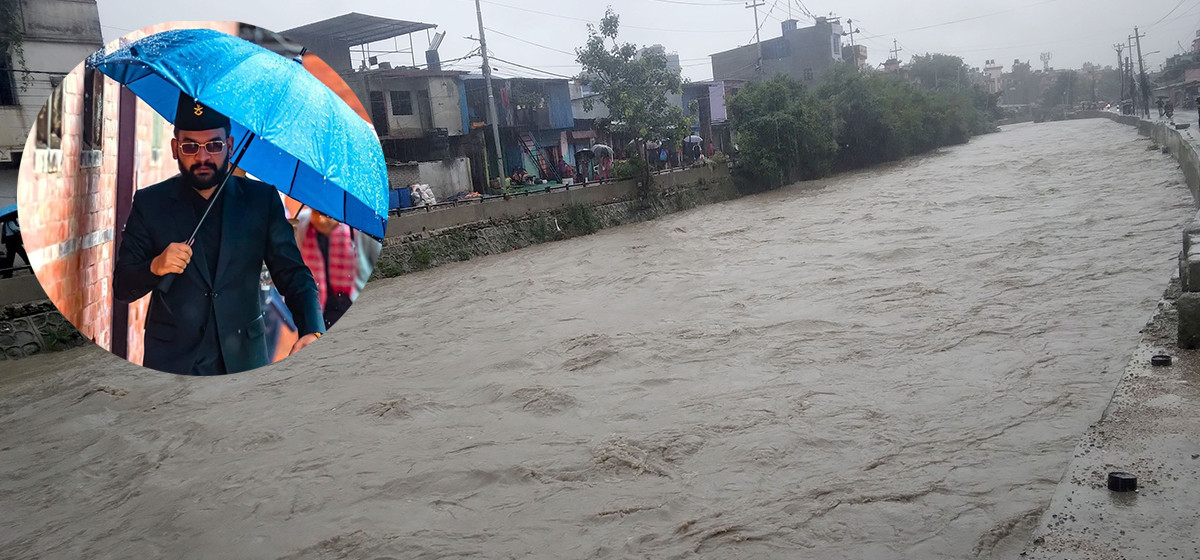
{"x":890,"y":363}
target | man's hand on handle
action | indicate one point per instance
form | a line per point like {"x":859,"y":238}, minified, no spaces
{"x":173,"y":260}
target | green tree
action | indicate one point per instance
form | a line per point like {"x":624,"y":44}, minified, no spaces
{"x":1108,"y":84}
{"x":632,"y":85}
{"x":12,"y":38}
{"x":939,"y":71}
{"x":884,"y":118}
{"x":1069,"y":87}
{"x":784,"y":134}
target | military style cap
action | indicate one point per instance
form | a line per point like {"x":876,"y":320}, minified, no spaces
{"x":191,"y":114}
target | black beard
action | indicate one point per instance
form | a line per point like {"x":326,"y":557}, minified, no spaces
{"x":190,"y":178}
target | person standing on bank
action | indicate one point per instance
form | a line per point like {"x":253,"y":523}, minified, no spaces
{"x":14,"y":246}
{"x":210,"y":322}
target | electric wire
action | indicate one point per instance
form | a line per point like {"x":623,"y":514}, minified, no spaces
{"x":528,"y":42}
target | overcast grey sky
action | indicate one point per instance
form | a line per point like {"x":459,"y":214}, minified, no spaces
{"x":543,"y":34}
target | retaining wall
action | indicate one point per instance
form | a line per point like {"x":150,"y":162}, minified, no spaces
{"x":29,"y":323}
{"x":29,"y":328}
{"x":424,"y":240}
{"x":432,"y":219}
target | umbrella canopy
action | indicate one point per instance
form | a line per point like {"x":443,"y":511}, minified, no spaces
{"x":8,"y":212}
{"x":602,"y":150}
{"x":308,"y":142}
{"x":584,"y":152}
{"x":693,"y":139}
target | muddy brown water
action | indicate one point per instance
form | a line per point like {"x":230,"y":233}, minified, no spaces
{"x":893,"y":363}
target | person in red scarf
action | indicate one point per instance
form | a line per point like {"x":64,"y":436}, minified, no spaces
{"x":329,"y":249}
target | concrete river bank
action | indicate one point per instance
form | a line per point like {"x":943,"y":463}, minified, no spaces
{"x":896,"y":362}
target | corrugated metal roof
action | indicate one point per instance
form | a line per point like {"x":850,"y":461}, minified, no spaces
{"x":358,"y":29}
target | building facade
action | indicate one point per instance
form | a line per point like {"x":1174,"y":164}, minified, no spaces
{"x":56,"y":36}
{"x":993,"y":76}
{"x":711,"y":114}
{"x":802,"y":53}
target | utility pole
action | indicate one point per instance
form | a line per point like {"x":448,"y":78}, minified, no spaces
{"x":1132,"y":81}
{"x":754,"y":6}
{"x":492,"y":114}
{"x":1120,"y":69}
{"x":1142,"y":81}
{"x":896,"y":54}
{"x":1129,"y":76}
{"x":851,"y":31}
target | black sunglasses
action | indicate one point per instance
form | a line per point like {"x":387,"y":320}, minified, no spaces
{"x":193,"y":148}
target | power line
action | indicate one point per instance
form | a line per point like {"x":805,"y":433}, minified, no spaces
{"x":529,"y":42}
{"x":22,"y":70}
{"x":806,"y":11}
{"x":624,"y":26}
{"x":532,"y":68}
{"x":981,"y":16}
{"x":803,"y":10}
{"x":717,"y":5}
{"x":1169,"y":13}
{"x":758,"y":29}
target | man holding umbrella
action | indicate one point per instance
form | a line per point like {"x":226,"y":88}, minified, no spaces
{"x":209,"y":321}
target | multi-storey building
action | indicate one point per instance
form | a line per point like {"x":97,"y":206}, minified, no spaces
{"x":803,"y":53}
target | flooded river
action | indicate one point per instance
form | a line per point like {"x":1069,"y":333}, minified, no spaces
{"x":892,"y":363}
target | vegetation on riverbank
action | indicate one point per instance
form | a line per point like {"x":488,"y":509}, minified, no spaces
{"x":786,"y":133}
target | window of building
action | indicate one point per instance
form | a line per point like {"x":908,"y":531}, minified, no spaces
{"x":808,"y":74}
{"x":401,"y":102}
{"x":775,"y":50}
{"x":93,"y":109}
{"x":8,"y":80}
{"x":49,"y":120}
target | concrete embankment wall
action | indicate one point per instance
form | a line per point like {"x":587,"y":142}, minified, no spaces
{"x":1183,"y":151}
{"x":29,"y":323}
{"x":419,"y":240}
{"x":1164,"y":135}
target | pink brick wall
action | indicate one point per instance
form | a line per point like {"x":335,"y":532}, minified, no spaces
{"x":62,"y":211}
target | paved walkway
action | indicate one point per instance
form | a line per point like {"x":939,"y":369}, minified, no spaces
{"x":1151,"y":429}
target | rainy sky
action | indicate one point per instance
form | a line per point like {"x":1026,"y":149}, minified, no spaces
{"x":537,"y":38}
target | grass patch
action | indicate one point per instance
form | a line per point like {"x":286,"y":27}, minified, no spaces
{"x":581,"y":219}
{"x":423,"y":255}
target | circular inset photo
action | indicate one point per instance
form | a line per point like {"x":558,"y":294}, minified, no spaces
{"x":202,"y":198}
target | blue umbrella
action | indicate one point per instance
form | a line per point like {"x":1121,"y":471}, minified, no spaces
{"x":305,"y":140}
{"x":7,"y":212}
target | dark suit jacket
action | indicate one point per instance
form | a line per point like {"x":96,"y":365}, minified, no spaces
{"x":254,"y":230}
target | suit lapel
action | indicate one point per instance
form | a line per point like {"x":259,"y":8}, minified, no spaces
{"x":180,"y":231}
{"x":234,"y":213}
